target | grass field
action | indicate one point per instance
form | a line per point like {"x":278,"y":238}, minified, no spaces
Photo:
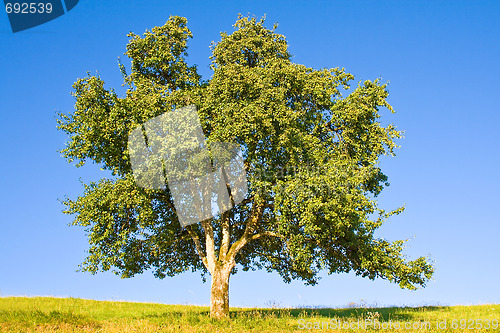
{"x":47,"y":314}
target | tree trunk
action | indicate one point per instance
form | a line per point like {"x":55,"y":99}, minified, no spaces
{"x":219,"y":292}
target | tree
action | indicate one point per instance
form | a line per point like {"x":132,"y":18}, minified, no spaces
{"x":311,"y":158}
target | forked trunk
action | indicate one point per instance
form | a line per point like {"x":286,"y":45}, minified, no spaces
{"x":219,"y":293}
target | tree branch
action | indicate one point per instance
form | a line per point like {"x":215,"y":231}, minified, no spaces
{"x":246,"y":201}
{"x":253,"y":219}
{"x":199,"y":249}
{"x":209,"y":244}
{"x":226,"y":226}
{"x":263,"y":234}
{"x":226,"y":236}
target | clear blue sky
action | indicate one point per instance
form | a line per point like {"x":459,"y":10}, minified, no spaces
{"x":441,"y":59}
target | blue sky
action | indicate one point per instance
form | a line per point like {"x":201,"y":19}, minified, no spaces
{"x":441,"y":59}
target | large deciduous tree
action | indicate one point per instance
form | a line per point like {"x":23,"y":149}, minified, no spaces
{"x":311,"y":157}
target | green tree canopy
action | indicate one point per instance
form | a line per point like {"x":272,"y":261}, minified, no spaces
{"x":311,"y":157}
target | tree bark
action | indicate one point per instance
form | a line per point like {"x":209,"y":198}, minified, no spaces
{"x":219,"y":292}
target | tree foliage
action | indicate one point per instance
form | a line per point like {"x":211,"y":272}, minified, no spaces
{"x":311,"y":157}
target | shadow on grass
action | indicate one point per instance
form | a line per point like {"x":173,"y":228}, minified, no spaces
{"x":381,"y":314}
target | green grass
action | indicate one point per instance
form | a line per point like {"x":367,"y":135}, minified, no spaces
{"x":47,"y":314}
